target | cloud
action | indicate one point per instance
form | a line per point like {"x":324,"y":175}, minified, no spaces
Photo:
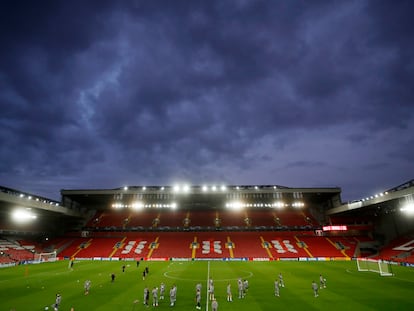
{"x":103,"y":94}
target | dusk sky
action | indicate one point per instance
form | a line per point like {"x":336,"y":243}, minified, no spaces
{"x":102,"y":94}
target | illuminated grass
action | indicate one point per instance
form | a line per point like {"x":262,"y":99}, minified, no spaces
{"x":32,"y":287}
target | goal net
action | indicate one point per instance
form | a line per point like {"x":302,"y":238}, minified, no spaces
{"x":45,"y":257}
{"x":378,"y":266}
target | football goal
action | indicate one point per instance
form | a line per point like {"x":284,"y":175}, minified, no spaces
{"x":45,"y":257}
{"x":378,"y":266}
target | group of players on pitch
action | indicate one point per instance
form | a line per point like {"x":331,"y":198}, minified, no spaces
{"x":315,"y":287}
{"x":242,"y":287}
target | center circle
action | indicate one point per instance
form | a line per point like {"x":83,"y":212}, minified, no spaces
{"x":247,"y":275}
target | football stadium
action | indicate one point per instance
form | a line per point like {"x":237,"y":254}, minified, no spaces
{"x":207,"y":247}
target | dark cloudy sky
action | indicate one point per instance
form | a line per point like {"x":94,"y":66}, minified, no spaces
{"x":102,"y":94}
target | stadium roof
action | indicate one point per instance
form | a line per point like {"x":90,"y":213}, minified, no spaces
{"x":199,"y":197}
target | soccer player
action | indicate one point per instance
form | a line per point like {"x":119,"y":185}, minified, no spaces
{"x":214,"y":305}
{"x":162,"y":291}
{"x":173,"y":295}
{"x":315,"y":288}
{"x":57,"y":301}
{"x":146,"y":296}
{"x":281,"y":282}
{"x":155,"y":297}
{"x":198,"y":299}
{"x":245,"y":287}
{"x":211,"y":291}
{"x":240,"y":288}
{"x":229,"y":294}
{"x":113,"y":277}
{"x":87,"y":286}
{"x":322,"y":281}
{"x":277,"y":288}
{"x":199,"y":286}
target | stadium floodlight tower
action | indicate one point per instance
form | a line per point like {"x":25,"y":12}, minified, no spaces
{"x":378,"y":266}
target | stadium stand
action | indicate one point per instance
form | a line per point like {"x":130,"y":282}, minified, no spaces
{"x":203,"y":226}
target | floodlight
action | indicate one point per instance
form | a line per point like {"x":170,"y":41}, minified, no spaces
{"x":173,"y":205}
{"x":186,"y":188}
{"x":144,"y":188}
{"x":214,"y":188}
{"x":176,"y":188}
{"x":204,"y":188}
{"x":223,"y":188}
{"x":137,"y":205}
{"x":162,"y":188}
{"x":236,"y":205}
{"x":408,"y":208}
{"x":23,"y":216}
{"x":125,"y":188}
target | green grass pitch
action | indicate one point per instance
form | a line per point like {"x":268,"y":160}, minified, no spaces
{"x":33,"y":287}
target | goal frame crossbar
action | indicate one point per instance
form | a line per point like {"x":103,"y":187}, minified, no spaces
{"x":378,"y":266}
{"x":45,"y":257}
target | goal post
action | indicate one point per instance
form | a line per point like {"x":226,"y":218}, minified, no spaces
{"x":372,"y":265}
{"x":45,"y":257}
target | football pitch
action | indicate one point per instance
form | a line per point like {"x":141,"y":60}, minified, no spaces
{"x":34,"y":287}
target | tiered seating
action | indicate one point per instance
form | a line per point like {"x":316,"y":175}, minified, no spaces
{"x":400,"y":250}
{"x":90,"y":248}
{"x":247,"y":245}
{"x":321,"y":247}
{"x":263,"y":218}
{"x":211,"y":244}
{"x":293,"y":218}
{"x":346,"y":244}
{"x":284,"y":244}
{"x":176,"y":245}
{"x":202,"y":219}
{"x":232,"y":218}
{"x":15,"y":251}
{"x":114,"y":219}
{"x":143,"y":219}
{"x":94,"y":221}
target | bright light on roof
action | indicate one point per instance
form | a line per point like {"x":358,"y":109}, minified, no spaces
{"x":176,"y":188}
{"x":23,"y":216}
{"x":162,"y":188}
{"x":173,"y":205}
{"x":236,"y":205}
{"x":117,"y":205}
{"x":137,"y":205}
{"x":144,"y":188}
{"x":278,"y":204}
{"x":214,"y":188}
{"x":125,"y":188}
{"x":256,"y":187}
{"x":298,"y":204}
{"x":408,"y":208}
{"x":223,"y":188}
{"x":186,"y":188}
{"x":204,"y":188}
